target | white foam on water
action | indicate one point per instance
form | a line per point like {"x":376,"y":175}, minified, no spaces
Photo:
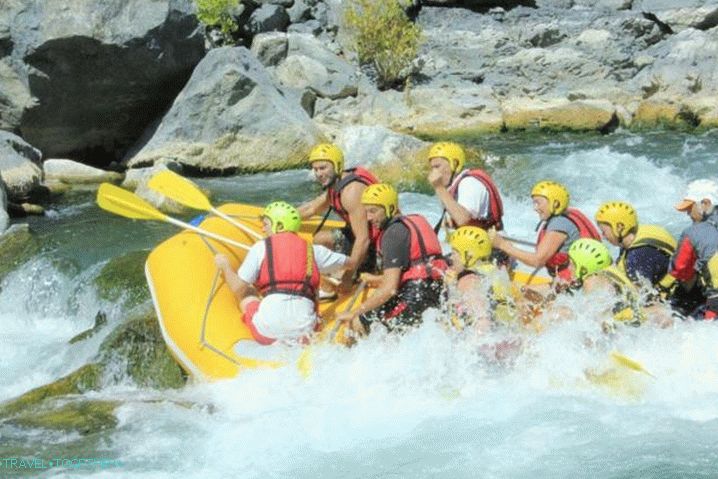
{"x":438,"y":403}
{"x":42,"y":309}
{"x":430,"y":403}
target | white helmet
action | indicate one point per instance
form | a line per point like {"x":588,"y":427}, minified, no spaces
{"x":699,"y":190}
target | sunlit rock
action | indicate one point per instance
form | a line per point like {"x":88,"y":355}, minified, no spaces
{"x":231,"y":117}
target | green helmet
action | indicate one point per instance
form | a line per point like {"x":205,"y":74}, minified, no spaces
{"x":284,"y":217}
{"x":589,"y":256}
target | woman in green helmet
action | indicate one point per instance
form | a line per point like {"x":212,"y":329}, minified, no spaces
{"x":592,"y":269}
{"x":285,"y":270}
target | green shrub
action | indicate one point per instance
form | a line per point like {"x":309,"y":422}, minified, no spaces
{"x":383,"y":36}
{"x":219,"y":13}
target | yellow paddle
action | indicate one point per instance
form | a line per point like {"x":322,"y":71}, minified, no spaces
{"x":125,"y":203}
{"x":625,"y":361}
{"x":187,"y":193}
{"x":304,"y":363}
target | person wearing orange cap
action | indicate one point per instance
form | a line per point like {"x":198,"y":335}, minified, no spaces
{"x":695,"y":261}
{"x":342,"y":190}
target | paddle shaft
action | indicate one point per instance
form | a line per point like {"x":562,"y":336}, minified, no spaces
{"x":519,"y":241}
{"x":206,"y":233}
{"x":239,"y":225}
{"x":350,"y":305}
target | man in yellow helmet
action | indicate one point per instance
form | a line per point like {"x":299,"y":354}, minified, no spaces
{"x":285,"y":270}
{"x":411,"y":261}
{"x":560,"y":226}
{"x":484,"y":290}
{"x":646,"y":250}
{"x":469,"y":196}
{"x":342,"y":194}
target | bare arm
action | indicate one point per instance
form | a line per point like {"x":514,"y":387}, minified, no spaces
{"x":351,"y":199}
{"x":458,"y":214}
{"x":387,"y":289}
{"x":239,"y":288}
{"x":311,"y":208}
{"x":548,"y":246}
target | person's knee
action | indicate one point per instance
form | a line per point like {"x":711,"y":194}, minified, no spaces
{"x":324,"y":238}
{"x":247,"y":302}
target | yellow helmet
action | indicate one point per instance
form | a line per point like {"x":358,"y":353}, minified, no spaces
{"x":453,"y":152}
{"x":472,"y":243}
{"x":381,"y":194}
{"x":614,"y":213}
{"x":556,"y":194}
{"x":328,"y":152}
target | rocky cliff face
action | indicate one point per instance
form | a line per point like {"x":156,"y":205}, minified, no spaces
{"x":83,"y":79}
{"x":100,"y":81}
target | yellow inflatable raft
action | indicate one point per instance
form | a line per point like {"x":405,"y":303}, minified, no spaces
{"x":198,"y":314}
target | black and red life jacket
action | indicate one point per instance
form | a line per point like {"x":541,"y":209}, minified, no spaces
{"x":496,"y":206}
{"x":286,"y":268}
{"x":425,"y":255}
{"x":557,"y":263}
{"x":335,"y":192}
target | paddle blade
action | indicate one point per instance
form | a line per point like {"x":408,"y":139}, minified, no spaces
{"x":125,"y":203}
{"x":179,"y":189}
{"x":305,"y":361}
{"x":625,"y":361}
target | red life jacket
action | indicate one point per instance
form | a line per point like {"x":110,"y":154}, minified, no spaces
{"x":335,"y":192}
{"x":284,"y":267}
{"x":558,"y":263}
{"x":425,"y":255}
{"x":496,"y":206}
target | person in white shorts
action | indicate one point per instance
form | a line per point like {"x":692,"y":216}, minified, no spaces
{"x":285,"y":270}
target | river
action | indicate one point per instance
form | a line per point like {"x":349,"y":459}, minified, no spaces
{"x":423,"y":405}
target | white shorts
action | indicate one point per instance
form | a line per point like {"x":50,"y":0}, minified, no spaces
{"x":285,"y":317}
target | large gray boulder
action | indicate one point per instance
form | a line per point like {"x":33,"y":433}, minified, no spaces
{"x":393,"y":157}
{"x":230,"y":116}
{"x":680,"y":84}
{"x":19,"y":166}
{"x":270,"y":48}
{"x":83,"y":78}
{"x":267,"y":18}
{"x":309,"y":64}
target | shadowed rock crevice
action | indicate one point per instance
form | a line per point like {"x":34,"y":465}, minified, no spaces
{"x":665,"y":28}
{"x":75,"y":96}
{"x":480,"y":6}
{"x":95,"y":74}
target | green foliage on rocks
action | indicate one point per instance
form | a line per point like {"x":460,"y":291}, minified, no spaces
{"x":86,"y":378}
{"x":219,"y":13}
{"x":16,"y":247}
{"x":383,"y":36}
{"x":134,"y":351}
{"x":124,"y":277}
{"x":85,"y":417}
{"x":137,"y":351}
